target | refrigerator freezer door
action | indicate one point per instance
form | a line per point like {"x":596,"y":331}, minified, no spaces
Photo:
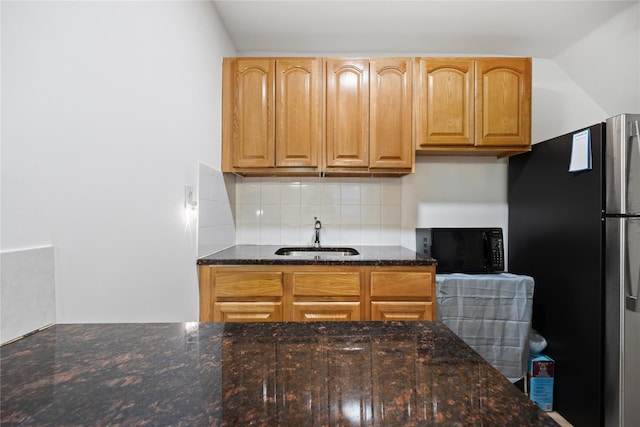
{"x":631,"y":326}
{"x":613,"y":313}
{"x":623,"y":165}
{"x":622,"y":313}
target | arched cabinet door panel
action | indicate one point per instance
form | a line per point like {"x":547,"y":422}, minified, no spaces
{"x":445,"y":101}
{"x":391,"y":136}
{"x":298,"y":112}
{"x":347,"y":113}
{"x":503,"y":102}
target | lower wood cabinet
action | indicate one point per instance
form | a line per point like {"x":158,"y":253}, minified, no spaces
{"x":272,"y":293}
{"x":402,"y":294}
{"x":324,"y":294}
{"x":247,"y":311}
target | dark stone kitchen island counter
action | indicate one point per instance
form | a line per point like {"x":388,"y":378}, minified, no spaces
{"x":265,"y":255}
{"x":202,"y":374}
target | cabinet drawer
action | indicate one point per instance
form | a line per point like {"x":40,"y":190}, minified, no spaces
{"x":325,"y":311}
{"x":251,"y":284}
{"x":326,"y":284}
{"x":401,"y":284}
{"x":247,"y":312}
{"x":401,"y":311}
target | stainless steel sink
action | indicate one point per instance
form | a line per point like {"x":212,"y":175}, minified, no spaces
{"x":310,"y":251}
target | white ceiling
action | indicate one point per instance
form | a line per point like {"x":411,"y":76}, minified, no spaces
{"x":510,"y":27}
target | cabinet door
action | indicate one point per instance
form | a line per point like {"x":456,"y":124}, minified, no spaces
{"x":398,"y":310}
{"x":347,"y":110}
{"x":238,"y":284}
{"x":390,"y":140}
{"x":326,"y":284}
{"x":247,"y":312}
{"x":298,"y":107}
{"x":503,"y":101}
{"x":253,"y":120}
{"x":445,"y":102}
{"x":401,"y":284}
{"x":325,"y":311}
{"x":402,"y":295}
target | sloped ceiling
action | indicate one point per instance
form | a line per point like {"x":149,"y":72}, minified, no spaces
{"x":521,"y":28}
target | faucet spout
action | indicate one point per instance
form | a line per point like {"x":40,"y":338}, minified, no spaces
{"x":317,"y":227}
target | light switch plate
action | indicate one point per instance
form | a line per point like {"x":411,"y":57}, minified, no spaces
{"x":189,"y":201}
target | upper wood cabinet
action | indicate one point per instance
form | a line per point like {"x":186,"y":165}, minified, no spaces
{"x":347,"y":107}
{"x":369,"y":115}
{"x":391,"y":136}
{"x":345,"y":116}
{"x":475,"y":106}
{"x":298,"y":112}
{"x":503,"y":102}
{"x":272,"y":114}
{"x":444,"y":101}
{"x":251,"y":112}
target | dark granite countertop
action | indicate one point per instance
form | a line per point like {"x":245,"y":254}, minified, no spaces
{"x":201,"y":374}
{"x":265,"y":254}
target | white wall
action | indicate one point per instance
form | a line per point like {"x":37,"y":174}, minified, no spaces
{"x":454,"y":192}
{"x":107,"y":108}
{"x":559,"y":104}
{"x":606,"y":63}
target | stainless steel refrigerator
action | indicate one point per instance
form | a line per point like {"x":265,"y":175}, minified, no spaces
{"x":577,"y":233}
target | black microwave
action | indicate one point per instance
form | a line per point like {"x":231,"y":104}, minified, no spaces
{"x":463,"y":250}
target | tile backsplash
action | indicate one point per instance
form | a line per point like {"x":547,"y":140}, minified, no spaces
{"x":216,"y":228}
{"x":353,"y":211}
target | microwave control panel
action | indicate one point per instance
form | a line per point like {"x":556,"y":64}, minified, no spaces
{"x":496,"y":245}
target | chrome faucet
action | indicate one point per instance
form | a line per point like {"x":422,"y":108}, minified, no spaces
{"x":318,"y":226}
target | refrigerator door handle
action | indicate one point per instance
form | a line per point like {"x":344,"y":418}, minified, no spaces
{"x":630,"y":181}
{"x":627,"y":264}
{"x":634,"y":131}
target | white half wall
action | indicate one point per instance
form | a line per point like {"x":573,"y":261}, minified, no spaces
{"x":27,"y":291}
{"x":107,"y":110}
